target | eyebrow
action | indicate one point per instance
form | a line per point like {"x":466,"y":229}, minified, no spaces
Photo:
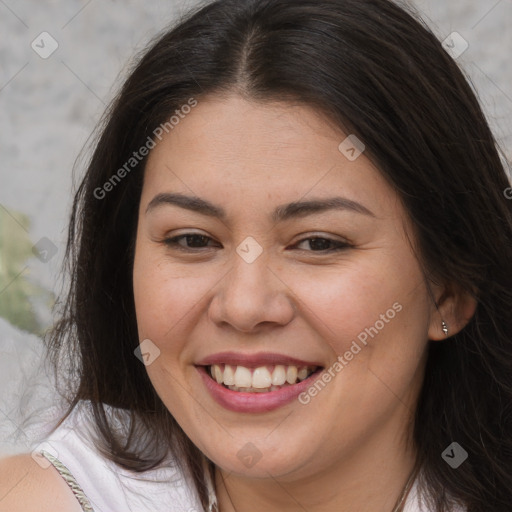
{"x":281,"y":212}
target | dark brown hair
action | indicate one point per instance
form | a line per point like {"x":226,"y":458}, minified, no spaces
{"x":377,"y":71}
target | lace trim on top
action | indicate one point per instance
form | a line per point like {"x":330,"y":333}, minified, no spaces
{"x":70,"y":480}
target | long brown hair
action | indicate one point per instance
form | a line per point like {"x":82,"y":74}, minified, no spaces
{"x":378,"y":72}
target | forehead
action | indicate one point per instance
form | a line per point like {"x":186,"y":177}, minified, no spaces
{"x":228,"y":147}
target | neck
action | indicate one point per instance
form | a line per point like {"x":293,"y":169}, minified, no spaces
{"x":371,"y":480}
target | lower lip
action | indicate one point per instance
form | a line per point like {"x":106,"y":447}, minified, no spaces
{"x":238,"y":401}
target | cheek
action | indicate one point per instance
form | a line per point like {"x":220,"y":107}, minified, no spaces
{"x":168,"y":298}
{"x":369,"y":303}
{"x":344,"y":301}
{"x":164,"y":305}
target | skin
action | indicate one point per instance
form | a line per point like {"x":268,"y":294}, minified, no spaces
{"x":26,"y":486}
{"x":347,"y":449}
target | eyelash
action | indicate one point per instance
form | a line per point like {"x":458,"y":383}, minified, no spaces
{"x":173,"y":242}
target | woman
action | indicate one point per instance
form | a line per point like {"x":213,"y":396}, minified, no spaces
{"x":291,"y":261}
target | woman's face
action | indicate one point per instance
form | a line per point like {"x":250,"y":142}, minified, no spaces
{"x":251,"y":290}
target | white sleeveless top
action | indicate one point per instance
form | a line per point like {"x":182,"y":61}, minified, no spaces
{"x":100,"y":485}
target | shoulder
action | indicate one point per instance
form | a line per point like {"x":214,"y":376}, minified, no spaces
{"x":27,"y":486}
{"x":95,"y":481}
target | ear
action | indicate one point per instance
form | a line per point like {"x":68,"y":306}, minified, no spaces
{"x":455,"y":307}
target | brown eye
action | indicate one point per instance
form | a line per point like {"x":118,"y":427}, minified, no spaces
{"x":321,"y":244}
{"x":192,"y":241}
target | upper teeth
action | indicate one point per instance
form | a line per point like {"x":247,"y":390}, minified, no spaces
{"x":261,"y":377}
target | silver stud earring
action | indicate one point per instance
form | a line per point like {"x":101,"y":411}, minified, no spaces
{"x":445,"y":327}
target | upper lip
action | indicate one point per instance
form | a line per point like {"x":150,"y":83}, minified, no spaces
{"x":254,"y":360}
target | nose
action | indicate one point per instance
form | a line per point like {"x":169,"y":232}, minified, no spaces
{"x":251,"y":296}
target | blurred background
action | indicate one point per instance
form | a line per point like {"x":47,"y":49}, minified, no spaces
{"x":61,"y":62}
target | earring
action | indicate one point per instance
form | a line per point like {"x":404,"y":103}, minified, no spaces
{"x":445,"y":327}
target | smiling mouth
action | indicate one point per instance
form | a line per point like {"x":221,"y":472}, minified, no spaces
{"x":262,"y":379}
